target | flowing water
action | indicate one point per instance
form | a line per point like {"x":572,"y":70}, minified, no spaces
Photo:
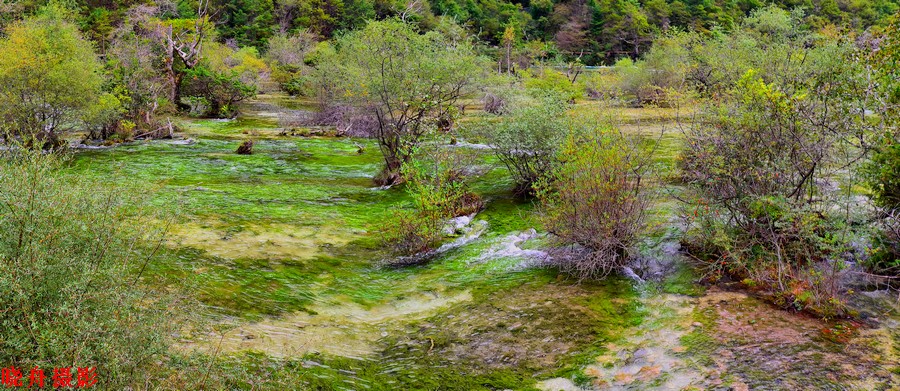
{"x":279,"y":248}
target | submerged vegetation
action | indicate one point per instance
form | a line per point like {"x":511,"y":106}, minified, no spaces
{"x":430,"y":195}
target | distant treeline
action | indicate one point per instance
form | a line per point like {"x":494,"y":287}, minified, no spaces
{"x":596,"y":31}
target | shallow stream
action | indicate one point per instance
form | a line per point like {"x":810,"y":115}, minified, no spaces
{"x":279,"y":248}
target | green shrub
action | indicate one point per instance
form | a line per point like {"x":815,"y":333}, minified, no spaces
{"x":71,"y":250}
{"x":220,"y":91}
{"x":883,"y":171}
{"x":438,"y":179}
{"x":50,"y":78}
{"x":659,"y":79}
{"x":540,"y":82}
{"x":756,"y":163}
{"x":594,"y":201}
{"x":526,"y":139}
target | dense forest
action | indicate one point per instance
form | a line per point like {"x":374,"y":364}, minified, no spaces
{"x":450,"y":195}
{"x":596,"y":32}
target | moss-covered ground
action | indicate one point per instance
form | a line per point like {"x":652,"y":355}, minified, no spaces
{"x":280,"y":250}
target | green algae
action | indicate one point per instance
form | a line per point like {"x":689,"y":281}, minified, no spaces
{"x":281,"y":244}
{"x":282,"y":240}
{"x":683,"y":281}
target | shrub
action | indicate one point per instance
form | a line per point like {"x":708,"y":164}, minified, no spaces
{"x":540,"y":82}
{"x":220,"y":91}
{"x":71,"y":251}
{"x":883,"y":172}
{"x":438,"y":181}
{"x":602,"y":84}
{"x":659,"y":79}
{"x":50,"y":78}
{"x":885,"y":258}
{"x":594,"y":201}
{"x":222,"y":79}
{"x":779,"y":247}
{"x":286,"y":55}
{"x":757,"y":163}
{"x":527,"y":138}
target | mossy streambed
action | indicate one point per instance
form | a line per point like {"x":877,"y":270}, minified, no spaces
{"x":279,"y":248}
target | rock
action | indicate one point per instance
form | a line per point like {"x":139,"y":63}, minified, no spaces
{"x":187,"y":141}
{"x":623,"y":378}
{"x":629,"y":272}
{"x":649,"y":372}
{"x":557,"y":384}
{"x":456,"y":224}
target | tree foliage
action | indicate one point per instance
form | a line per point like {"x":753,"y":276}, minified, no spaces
{"x":761,"y":160}
{"x":527,"y":138}
{"x":406,"y":80}
{"x":224,"y":78}
{"x":50,"y":78}
{"x":883,"y":171}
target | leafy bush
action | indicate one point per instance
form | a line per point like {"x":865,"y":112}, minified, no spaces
{"x":287,"y":58}
{"x":219,"y":91}
{"x":224,"y":78}
{"x":603,"y":84}
{"x":526,"y":139}
{"x":779,"y":247}
{"x":594,"y":201}
{"x":438,"y":181}
{"x":540,"y":82}
{"x":757,"y":163}
{"x":883,"y":172}
{"x":50,"y":78}
{"x":658,"y":79}
{"x":71,"y":252}
{"x":885,"y":258}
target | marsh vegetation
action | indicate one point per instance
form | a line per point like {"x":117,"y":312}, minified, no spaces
{"x":288,"y":195}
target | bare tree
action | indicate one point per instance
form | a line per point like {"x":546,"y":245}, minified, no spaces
{"x":184,"y":43}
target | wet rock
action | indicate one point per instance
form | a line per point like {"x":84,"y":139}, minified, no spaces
{"x":629,"y":272}
{"x":557,"y":384}
{"x":648,"y":373}
{"x":470,"y":232}
{"x":187,"y":141}
{"x":623,"y":378}
{"x":509,"y":247}
{"x":457,"y":224}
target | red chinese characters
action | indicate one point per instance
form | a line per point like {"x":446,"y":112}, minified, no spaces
{"x":36,"y":378}
{"x":62,"y":377}
{"x":87,"y":377}
{"x":12,"y":377}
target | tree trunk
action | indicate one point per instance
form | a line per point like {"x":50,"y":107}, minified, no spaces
{"x":390,"y":174}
